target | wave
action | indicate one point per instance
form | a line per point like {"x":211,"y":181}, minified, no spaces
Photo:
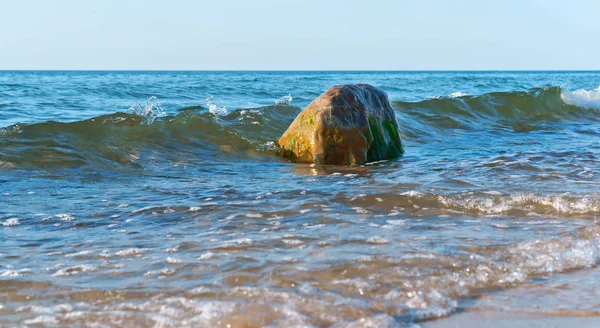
{"x":482,"y":203}
{"x":517,"y":111}
{"x":121,"y":137}
{"x":539,"y":104}
{"x":124,"y":139}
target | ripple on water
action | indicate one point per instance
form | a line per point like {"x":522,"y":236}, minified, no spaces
{"x":73,"y":270}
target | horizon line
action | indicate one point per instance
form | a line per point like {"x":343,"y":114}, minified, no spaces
{"x":299,"y":70}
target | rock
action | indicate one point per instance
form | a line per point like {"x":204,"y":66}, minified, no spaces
{"x":346,"y":125}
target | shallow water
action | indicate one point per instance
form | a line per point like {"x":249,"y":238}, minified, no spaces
{"x":117,"y":216}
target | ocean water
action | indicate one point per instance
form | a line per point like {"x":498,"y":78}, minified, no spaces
{"x":156,"y":199}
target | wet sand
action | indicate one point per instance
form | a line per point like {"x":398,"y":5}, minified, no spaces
{"x":566,"y":300}
{"x":480,"y":320}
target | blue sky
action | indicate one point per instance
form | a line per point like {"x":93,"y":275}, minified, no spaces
{"x":299,"y":34}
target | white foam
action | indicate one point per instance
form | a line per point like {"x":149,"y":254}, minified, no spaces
{"x":523,"y":202}
{"x":396,"y":222}
{"x":214,"y":109}
{"x":412,"y":193}
{"x":377,"y":240}
{"x":173,"y":260}
{"x":589,"y":99}
{"x":457,"y":94}
{"x":130,"y":252}
{"x":65,"y":217}
{"x":11,"y":222}
{"x":376,"y":321}
{"x":243,"y":241}
{"x":15,"y":273}
{"x":558,"y":254}
{"x":86,"y":253}
{"x":167,"y":272}
{"x":172,"y":249}
{"x":285,"y":100}
{"x":206,"y":256}
{"x":268,"y":146}
{"x":42,"y":320}
{"x":76,"y":269}
{"x":292,"y":242}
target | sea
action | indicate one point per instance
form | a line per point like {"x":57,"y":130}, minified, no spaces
{"x":158,"y":199}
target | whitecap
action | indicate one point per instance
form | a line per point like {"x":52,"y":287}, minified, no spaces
{"x":457,"y":94}
{"x":65,"y":217}
{"x":214,"y":109}
{"x":11,"y":222}
{"x":285,"y":100}
{"x":589,"y":99}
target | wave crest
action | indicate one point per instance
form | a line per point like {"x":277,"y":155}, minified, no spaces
{"x":589,"y":99}
{"x":285,"y":100}
{"x":214,"y":109}
{"x":152,"y":110}
{"x":122,"y":139}
{"x":517,"y":111}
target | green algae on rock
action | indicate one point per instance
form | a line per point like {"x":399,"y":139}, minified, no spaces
{"x":346,"y":125}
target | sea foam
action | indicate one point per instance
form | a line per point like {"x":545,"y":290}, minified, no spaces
{"x":582,"y":98}
{"x":285,"y":100}
{"x":214,"y":109}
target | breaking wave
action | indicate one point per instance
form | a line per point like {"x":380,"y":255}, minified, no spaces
{"x":583,"y":98}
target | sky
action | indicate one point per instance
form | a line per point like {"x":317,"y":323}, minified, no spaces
{"x":299,"y":35}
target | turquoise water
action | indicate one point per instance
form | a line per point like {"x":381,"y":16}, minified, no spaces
{"x":157,"y":198}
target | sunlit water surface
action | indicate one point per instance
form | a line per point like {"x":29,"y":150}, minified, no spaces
{"x":177,"y":211}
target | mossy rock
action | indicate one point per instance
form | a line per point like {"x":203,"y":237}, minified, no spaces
{"x":346,"y":125}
